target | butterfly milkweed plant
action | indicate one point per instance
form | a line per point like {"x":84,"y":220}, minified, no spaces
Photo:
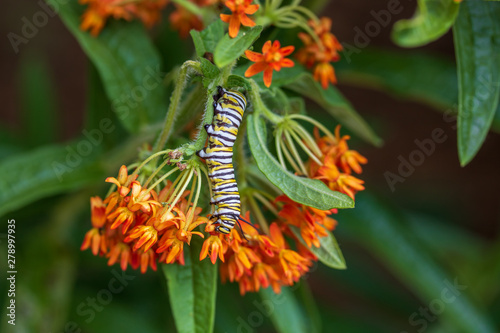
{"x":225,"y":162}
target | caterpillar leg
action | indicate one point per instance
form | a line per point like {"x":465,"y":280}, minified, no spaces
{"x":220,"y":93}
{"x":202,"y":153}
{"x":209,"y":128}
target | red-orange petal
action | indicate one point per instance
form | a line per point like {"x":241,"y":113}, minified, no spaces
{"x":254,"y":56}
{"x":287,"y":63}
{"x":268,"y":76}
{"x":256,"y":68}
{"x":251,"y":9}
{"x":234,"y":26}
{"x":225,"y":17}
{"x":246,"y":21}
{"x":287,"y":50}
{"x":266,"y":47}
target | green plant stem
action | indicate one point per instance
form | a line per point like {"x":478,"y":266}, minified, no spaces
{"x":261,"y":220}
{"x":259,"y":105}
{"x":175,"y":101}
{"x":209,"y":111}
{"x":304,"y":147}
{"x":191,"y":7}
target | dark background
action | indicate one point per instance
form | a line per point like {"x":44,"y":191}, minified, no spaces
{"x":466,"y":198}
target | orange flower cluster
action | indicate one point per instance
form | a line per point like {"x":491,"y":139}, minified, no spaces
{"x":338,"y":164}
{"x":269,"y":260}
{"x":134,"y":226}
{"x":272,"y":58}
{"x":131,"y":226}
{"x":258,"y":262}
{"x":240,"y":9}
{"x":320,"y":53}
{"x":98,"y":11}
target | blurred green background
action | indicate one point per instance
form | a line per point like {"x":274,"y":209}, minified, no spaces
{"x":404,"y":247}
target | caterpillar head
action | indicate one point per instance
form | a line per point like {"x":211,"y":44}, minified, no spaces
{"x":220,"y":92}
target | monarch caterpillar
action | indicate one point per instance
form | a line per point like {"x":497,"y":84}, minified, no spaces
{"x":229,"y":107}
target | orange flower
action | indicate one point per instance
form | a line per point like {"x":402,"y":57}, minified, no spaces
{"x":338,"y":163}
{"x":239,"y":9}
{"x":183,"y":21}
{"x":94,"y":240}
{"x":144,"y":259}
{"x":214,"y":246}
{"x":292,"y":263}
{"x":147,"y":236}
{"x":98,"y":212}
{"x":320,"y":52}
{"x":324,"y":73}
{"x":120,"y":251}
{"x":98,"y":11}
{"x":347,"y":184}
{"x":272,"y":58}
{"x":311,"y":222}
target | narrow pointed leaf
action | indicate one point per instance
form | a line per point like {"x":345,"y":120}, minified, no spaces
{"x":192,"y":290}
{"x":284,"y":310}
{"x":48,"y":170}
{"x":310,"y":192}
{"x":328,"y":253}
{"x":206,"y":40}
{"x":477,"y":46}
{"x":332,"y":101}
{"x":308,"y":303}
{"x":432,"y":19}
{"x":229,"y":49}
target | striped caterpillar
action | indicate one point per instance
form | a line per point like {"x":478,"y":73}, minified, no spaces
{"x":229,"y":107}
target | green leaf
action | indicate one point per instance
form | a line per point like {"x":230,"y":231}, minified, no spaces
{"x":209,"y":70}
{"x":382,"y":230}
{"x":310,"y":192}
{"x":477,"y":47}
{"x":284,"y":310}
{"x":238,"y":81}
{"x":230,"y":49}
{"x":308,"y":303}
{"x":128,"y":63}
{"x":332,"y":101}
{"x":192,"y":289}
{"x":328,"y":253}
{"x":432,"y":19}
{"x":33,"y":175}
{"x":206,"y":40}
{"x":38,"y":103}
{"x":199,"y":46}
